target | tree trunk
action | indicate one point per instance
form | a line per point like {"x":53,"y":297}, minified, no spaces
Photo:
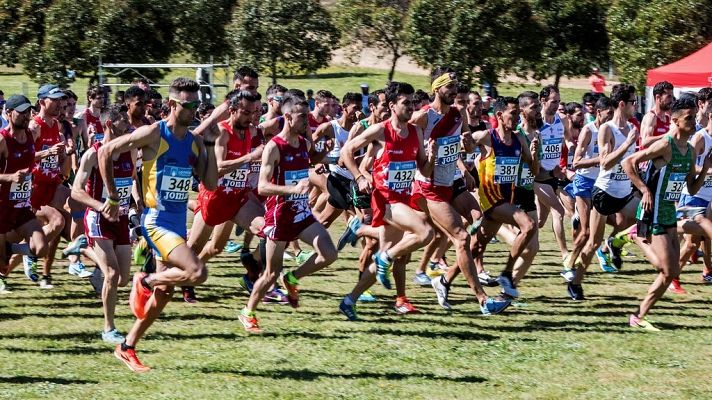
{"x":557,"y":78}
{"x":396,"y":56}
{"x":273,"y":70}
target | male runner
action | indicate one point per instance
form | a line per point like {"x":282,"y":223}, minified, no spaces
{"x":91,"y":126}
{"x":656,"y":122}
{"x":671,"y":166}
{"x":275,"y":94}
{"x":170,"y":155}
{"x":284,"y":179}
{"x":108,"y":239}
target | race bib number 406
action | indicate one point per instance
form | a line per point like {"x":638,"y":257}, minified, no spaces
{"x":176,"y":183}
{"x":291,"y":178}
{"x":552,"y":148}
{"x":400,"y":175}
{"x":21,"y":190}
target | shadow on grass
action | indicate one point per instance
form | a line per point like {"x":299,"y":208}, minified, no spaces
{"x":23,"y":380}
{"x":310,"y":375}
{"x":461,"y":335}
{"x":73,"y":350}
{"x":330,"y":75}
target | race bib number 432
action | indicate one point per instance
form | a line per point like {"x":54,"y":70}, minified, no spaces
{"x":291,"y":178}
{"x":400,"y":175}
{"x":176,"y":183}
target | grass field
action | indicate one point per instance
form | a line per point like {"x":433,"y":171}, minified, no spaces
{"x":546,"y":347}
{"x":337,"y":79}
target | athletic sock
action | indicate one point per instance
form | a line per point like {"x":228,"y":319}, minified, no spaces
{"x":444,"y":281}
{"x":145,"y":283}
{"x":348,"y":300}
{"x":247,"y":313}
{"x":289,"y":277}
{"x":125,"y":347}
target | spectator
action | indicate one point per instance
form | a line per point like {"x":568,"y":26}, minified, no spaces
{"x":597,"y":81}
{"x":364,"y":102}
{"x":310,"y":99}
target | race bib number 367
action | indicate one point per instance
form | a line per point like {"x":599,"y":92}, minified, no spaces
{"x":448,"y":150}
{"x":176,"y":183}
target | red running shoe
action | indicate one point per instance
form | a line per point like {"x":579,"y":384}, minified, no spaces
{"x":676,"y":288}
{"x":130,"y":359}
{"x":139,"y":296}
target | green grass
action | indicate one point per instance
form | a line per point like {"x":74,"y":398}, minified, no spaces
{"x":337,"y":79}
{"x":549,"y":347}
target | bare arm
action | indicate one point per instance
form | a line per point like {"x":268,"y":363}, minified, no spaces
{"x":374,"y":133}
{"x":87,"y":164}
{"x":695,"y":180}
{"x":426,"y":158}
{"x":607,"y":155}
{"x":647,"y":130}
{"x":270,"y":157}
{"x":584,"y":140}
{"x":630,"y":166}
{"x":220,"y":113}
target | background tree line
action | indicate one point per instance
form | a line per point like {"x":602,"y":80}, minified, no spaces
{"x":483,"y":40}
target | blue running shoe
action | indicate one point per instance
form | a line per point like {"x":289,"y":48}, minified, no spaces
{"x":421,"y":279}
{"x":232,"y":247}
{"x":707,"y":278}
{"x":349,"y":310}
{"x":367,"y":297}
{"x":246,"y":284}
{"x":78,"y":269}
{"x":349,"y":236}
{"x":75,"y":248}
{"x":113,"y":336}
{"x":605,"y":263}
{"x":383,"y":270}
{"x":29,"y":264}
{"x":494,"y":306}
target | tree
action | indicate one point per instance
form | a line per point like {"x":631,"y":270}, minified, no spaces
{"x":480,"y":40}
{"x":373,"y":23}
{"x":283,"y":36}
{"x":648,"y":33}
{"x":575,"y":37}
{"x":212,"y":17}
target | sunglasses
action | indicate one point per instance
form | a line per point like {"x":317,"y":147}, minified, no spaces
{"x":189,"y":105}
{"x":278,"y":99}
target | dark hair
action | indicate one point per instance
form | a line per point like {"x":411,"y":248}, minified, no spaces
{"x":274,"y":89}
{"x":503,"y":103}
{"x":204,"y":108}
{"x":660,"y":88}
{"x":603,"y":102}
{"x":237,"y":95}
{"x":94,"y":91}
{"x":322,"y":95}
{"x":462,"y":88}
{"x":154,"y":95}
{"x":134,"y":91}
{"x":351,"y":97}
{"x":572,"y":106}
{"x":685,"y":103}
{"x":589,"y":97}
{"x":293,"y":98}
{"x":622,"y":92}
{"x":546,"y":91}
{"x":244,"y":71}
{"x":525,"y":98}
{"x":112,"y":112}
{"x":2,"y":93}
{"x":296,"y":92}
{"x":67,"y":92}
{"x":476,"y":93}
{"x":438,"y":71}
{"x":310,"y":92}
{"x":421,"y":96}
{"x":136,"y":81}
{"x":374,"y":98}
{"x":705,"y":94}
{"x":396,"y":89}
{"x":183,"y":85}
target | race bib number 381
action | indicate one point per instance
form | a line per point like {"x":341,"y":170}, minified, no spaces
{"x":506,"y":169}
{"x":176,"y":183}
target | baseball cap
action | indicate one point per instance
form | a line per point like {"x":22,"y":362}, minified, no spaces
{"x":18,"y":103}
{"x":50,"y":92}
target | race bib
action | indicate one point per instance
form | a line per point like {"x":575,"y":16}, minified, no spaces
{"x":676,"y":182}
{"x":619,"y":174}
{"x":21,"y":190}
{"x":50,"y":162}
{"x":448,"y":151}
{"x":400,"y":175}
{"x":291,"y":178}
{"x":176,"y":183}
{"x":236,"y":179}
{"x":527,"y":177}
{"x":708,"y":181}
{"x":255,"y":167}
{"x":506,"y":169}
{"x":123,"y":187}
{"x":471,"y":158}
{"x":570,"y":162}
{"x":552,"y":148}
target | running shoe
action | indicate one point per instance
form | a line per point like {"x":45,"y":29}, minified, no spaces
{"x":441,"y":291}
{"x":287,"y":256}
{"x":404,"y":306}
{"x":78,"y":269}
{"x":138,"y":299}
{"x":627,"y":253}
{"x":349,"y":310}
{"x":349,"y":236}
{"x":487,"y":280}
{"x":494,"y":306}
{"x":367,"y":297}
{"x":676,"y":288}
{"x":249,"y":322}
{"x":3,"y":285}
{"x":29,"y":263}
{"x":303,"y":256}
{"x":421,"y":279}
{"x":641,"y":323}
{"x":139,"y":252}
{"x":575,"y":291}
{"x":616,"y":253}
{"x":494,"y":240}
{"x":508,"y":287}
{"x":246,"y":283}
{"x":232,"y":247}
{"x":383,"y":270}
{"x":695,"y":257}
{"x":46,"y":282}
{"x":604,"y":262}
{"x":97,"y":280}
{"x":707,"y":278}
{"x":435,"y":269}
{"x":189,"y":294}
{"x":568,"y":274}
{"x":75,"y":248}
{"x":275,"y":296}
{"x":291,"y":283}
{"x":112,"y":336}
{"x":130,"y":359}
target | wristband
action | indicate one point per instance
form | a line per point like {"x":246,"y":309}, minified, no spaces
{"x":112,"y":202}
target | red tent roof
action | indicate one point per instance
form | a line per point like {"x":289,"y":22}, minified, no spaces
{"x":694,"y":70}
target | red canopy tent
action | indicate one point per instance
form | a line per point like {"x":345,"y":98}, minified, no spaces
{"x":687,"y":74}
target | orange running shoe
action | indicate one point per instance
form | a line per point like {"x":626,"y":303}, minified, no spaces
{"x":249,"y":322}
{"x":290,"y":283}
{"x":130,"y":359}
{"x":403,"y":306}
{"x":139,"y":296}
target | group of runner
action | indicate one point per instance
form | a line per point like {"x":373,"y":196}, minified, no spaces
{"x":446,"y":170}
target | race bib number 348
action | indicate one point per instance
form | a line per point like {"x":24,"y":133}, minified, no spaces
{"x":176,"y":183}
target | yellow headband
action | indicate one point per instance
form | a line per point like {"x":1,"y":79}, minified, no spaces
{"x":442,"y":80}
